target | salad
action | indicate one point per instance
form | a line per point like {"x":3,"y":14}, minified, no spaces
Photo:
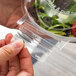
{"x":56,"y":16}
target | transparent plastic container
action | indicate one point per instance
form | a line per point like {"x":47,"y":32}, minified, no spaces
{"x":46,"y":44}
{"x":32,"y":13}
{"x":30,"y":27}
{"x":37,"y":37}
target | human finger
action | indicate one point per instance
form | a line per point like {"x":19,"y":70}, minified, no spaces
{"x":2,"y":42}
{"x":11,"y":50}
{"x":8,"y":38}
{"x":4,"y":69}
{"x":25,"y":63}
{"x":14,"y":66}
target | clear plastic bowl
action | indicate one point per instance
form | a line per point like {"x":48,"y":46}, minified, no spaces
{"x":47,"y":46}
{"x":46,"y":42}
{"x":31,"y":15}
{"x":40,"y":40}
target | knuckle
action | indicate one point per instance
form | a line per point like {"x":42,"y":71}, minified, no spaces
{"x":7,"y":51}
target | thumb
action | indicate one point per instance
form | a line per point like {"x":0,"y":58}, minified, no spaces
{"x":10,"y":50}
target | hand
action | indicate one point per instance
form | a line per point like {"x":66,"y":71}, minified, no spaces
{"x":15,"y":60}
{"x":10,"y":12}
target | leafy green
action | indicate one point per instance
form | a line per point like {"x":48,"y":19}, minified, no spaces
{"x":42,"y":15}
{"x":73,"y":9}
{"x":63,"y":27}
{"x":53,"y":20}
{"x":58,"y":32}
{"x":72,"y":6}
{"x":70,"y":18}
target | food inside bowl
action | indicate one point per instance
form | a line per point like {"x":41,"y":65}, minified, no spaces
{"x":56,"y":16}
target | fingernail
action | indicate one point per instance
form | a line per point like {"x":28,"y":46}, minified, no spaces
{"x":18,"y":44}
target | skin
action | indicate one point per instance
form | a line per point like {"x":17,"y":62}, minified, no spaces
{"x":19,"y":65}
{"x":10,"y":12}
